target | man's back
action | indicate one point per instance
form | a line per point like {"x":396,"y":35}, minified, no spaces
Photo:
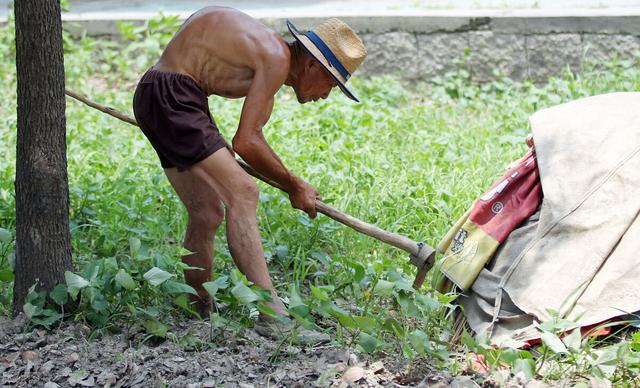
{"x":221,"y":48}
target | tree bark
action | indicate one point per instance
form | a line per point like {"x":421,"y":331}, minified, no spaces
{"x":43,"y":239}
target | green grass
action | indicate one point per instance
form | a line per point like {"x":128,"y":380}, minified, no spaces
{"x":408,"y":159}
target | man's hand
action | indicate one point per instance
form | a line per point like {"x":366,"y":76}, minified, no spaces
{"x":303,"y":196}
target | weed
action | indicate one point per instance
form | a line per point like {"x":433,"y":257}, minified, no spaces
{"x":410,"y":160}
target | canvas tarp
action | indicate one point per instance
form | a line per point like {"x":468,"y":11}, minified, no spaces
{"x":580,"y":254}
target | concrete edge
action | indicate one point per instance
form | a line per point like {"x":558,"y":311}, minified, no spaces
{"x":531,"y":21}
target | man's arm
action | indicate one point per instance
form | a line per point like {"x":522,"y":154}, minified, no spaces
{"x":250,"y":144}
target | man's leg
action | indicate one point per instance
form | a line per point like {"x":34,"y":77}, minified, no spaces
{"x":239,"y":193}
{"x":205,"y":212}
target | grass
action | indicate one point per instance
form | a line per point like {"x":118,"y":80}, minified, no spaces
{"x":408,"y":159}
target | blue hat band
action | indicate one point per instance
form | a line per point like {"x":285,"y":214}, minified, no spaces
{"x":328,"y":54}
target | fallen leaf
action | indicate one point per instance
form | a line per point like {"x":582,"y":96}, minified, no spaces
{"x":47,"y":367}
{"x":71,"y":358}
{"x":90,"y":382}
{"x":65,"y":372}
{"x":377,"y":367}
{"x":29,"y":355}
{"x":353,"y":374}
{"x":77,"y":376}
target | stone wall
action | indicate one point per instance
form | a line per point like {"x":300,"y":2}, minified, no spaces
{"x":486,"y":54}
{"x":520,"y":45}
{"x":420,"y":45}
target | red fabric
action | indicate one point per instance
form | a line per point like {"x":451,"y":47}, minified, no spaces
{"x":592,"y":331}
{"x":511,"y":200}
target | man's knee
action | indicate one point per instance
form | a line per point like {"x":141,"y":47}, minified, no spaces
{"x":206,"y":217}
{"x":246,"y":196}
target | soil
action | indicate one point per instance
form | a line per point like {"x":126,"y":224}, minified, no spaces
{"x":194,"y":355}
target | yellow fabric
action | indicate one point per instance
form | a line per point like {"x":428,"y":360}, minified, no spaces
{"x":448,"y":238}
{"x":467,"y":249}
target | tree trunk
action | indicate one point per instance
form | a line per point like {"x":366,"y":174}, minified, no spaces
{"x":43,"y":240}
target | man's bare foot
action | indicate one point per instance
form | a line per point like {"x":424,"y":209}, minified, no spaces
{"x":203,"y":306}
{"x":204,"y":309}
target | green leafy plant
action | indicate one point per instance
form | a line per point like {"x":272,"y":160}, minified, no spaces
{"x":410,"y":158}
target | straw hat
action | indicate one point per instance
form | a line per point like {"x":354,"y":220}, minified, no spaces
{"x":336,"y":46}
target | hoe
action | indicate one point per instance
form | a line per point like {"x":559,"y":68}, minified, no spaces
{"x":421,"y":255}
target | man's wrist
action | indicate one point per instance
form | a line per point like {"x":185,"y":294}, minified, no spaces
{"x":293,"y":183}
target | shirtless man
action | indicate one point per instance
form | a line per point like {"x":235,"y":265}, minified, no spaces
{"x":224,"y":52}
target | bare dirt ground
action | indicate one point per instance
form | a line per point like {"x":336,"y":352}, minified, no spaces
{"x":195,"y":355}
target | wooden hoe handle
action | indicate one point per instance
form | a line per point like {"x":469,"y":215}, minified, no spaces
{"x":421,"y":255}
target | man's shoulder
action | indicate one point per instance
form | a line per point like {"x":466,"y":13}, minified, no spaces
{"x":218,"y":16}
{"x":237,"y":34}
{"x":232,"y":22}
{"x":266,"y":45}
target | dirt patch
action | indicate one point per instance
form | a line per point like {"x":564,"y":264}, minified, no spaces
{"x":194,"y":355}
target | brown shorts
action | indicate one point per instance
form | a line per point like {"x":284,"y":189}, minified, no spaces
{"x":173,"y":112}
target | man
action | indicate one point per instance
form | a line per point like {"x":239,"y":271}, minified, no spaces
{"x":224,"y":52}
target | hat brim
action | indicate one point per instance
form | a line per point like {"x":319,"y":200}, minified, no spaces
{"x":317,"y":54}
